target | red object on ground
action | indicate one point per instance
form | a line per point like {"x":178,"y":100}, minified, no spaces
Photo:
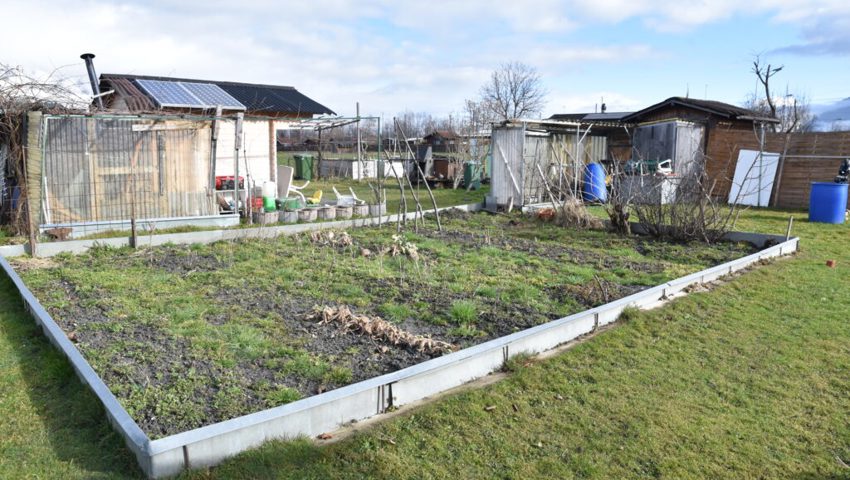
{"x":225,"y":182}
{"x":546,"y":214}
{"x":830,"y":263}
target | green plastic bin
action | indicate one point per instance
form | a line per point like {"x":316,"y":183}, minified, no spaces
{"x":303,"y":166}
{"x":472,"y":175}
{"x":290,"y":204}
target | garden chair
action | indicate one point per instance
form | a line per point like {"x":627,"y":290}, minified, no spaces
{"x":347,"y":200}
{"x":285,"y":185}
{"x":316,"y":198}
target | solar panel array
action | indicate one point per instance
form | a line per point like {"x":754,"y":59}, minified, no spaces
{"x":189,"y":95}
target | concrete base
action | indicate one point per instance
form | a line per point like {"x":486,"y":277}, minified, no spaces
{"x":144,"y":225}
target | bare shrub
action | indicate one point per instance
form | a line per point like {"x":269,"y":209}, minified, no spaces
{"x":688,"y":212}
{"x":573,"y":213}
{"x":20,"y":93}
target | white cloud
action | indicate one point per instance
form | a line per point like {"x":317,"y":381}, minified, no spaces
{"x":555,"y":55}
{"x":391,"y":55}
{"x":563,"y":102}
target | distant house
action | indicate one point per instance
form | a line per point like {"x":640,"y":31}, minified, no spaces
{"x":694,"y":134}
{"x":267,"y":109}
{"x":441,"y":140}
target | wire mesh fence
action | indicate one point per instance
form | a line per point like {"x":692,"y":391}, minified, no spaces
{"x":109,"y":170}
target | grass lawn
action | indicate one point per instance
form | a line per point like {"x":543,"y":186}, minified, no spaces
{"x":749,"y":380}
{"x":445,"y":197}
{"x":188,"y":336}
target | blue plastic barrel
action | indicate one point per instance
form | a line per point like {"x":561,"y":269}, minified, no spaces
{"x":594,"y":189}
{"x":828,"y":202}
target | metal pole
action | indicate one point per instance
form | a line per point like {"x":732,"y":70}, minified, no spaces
{"x":761,"y":162}
{"x":213,"y":146}
{"x":237,"y":145}
{"x":359,"y":141}
{"x":576,"y":163}
{"x":95,"y":88}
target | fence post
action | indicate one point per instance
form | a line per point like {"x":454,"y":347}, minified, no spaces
{"x":32,"y":162}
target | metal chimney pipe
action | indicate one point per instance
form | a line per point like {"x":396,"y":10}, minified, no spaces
{"x":95,"y":88}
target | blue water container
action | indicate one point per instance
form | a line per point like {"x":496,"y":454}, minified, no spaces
{"x":594,"y":189}
{"x":828,"y":202}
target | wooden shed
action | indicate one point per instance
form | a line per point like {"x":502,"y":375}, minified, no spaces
{"x":696,"y":134}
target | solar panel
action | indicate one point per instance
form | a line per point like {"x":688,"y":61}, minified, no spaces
{"x":211,"y":94}
{"x":167,"y":94}
{"x":188,"y":94}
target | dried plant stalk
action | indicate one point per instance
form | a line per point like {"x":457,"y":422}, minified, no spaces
{"x":378,"y":329}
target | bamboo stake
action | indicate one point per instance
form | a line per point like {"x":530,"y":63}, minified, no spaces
{"x":402,"y":217}
{"x":422,"y":174}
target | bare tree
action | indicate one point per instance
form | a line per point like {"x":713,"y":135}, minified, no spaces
{"x":416,"y":124}
{"x":793,"y":110}
{"x":514,"y":90}
{"x":764,"y":74}
{"x":471,"y":128}
{"x":21,"y":92}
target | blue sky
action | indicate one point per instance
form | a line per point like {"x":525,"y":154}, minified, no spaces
{"x":430,"y":56}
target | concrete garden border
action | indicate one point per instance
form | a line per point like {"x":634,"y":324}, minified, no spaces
{"x":209,"y":445}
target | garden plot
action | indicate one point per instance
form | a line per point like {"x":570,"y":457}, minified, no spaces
{"x":189,"y":336}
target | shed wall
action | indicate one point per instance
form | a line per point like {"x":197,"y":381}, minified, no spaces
{"x":254,"y":161}
{"x":507,"y":159}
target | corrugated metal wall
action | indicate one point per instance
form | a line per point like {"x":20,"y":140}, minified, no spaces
{"x":535,"y":154}
{"x":507,"y":160}
{"x":593,"y":149}
{"x":689,"y":154}
{"x":679,"y":141}
{"x":554,"y":154}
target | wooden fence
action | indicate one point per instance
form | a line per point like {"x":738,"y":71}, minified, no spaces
{"x":804,"y":158}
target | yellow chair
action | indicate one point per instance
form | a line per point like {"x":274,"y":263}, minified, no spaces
{"x":315,"y":199}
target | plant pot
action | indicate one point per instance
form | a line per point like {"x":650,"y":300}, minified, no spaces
{"x":378,"y":209}
{"x":264,"y":218}
{"x":289,"y":216}
{"x":344,"y":212}
{"x":307,"y":214}
{"x":327,"y":213}
{"x":361,"y":210}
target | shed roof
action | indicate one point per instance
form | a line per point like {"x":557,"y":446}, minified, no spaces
{"x":712,"y":107}
{"x":257,"y":98}
{"x":590,"y":117}
{"x":447,"y":134}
